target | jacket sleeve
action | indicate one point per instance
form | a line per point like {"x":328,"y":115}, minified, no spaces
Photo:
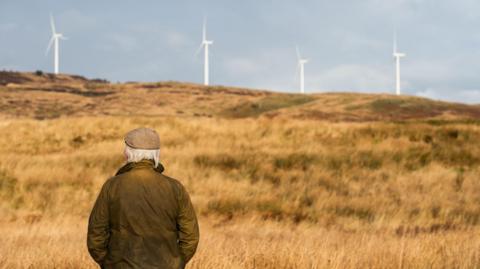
{"x":187,"y":225}
{"x":98,"y":227}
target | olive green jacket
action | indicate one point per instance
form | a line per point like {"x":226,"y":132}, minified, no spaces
{"x":142,"y":219}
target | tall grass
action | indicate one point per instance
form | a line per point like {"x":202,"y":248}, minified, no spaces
{"x":270,"y":193}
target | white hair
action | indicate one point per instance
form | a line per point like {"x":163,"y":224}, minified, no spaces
{"x":136,"y":155}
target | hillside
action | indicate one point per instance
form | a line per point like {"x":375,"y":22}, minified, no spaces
{"x":46,"y":96}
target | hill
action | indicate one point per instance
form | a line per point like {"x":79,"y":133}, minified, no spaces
{"x":46,"y":96}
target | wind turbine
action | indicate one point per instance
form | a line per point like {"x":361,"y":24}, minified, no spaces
{"x":205,"y":43}
{"x":397,"y":55}
{"x":55,"y":41}
{"x":301,"y":66}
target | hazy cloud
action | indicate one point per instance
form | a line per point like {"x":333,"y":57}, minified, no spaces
{"x":176,"y":39}
{"x":7,"y":27}
{"x":466,"y":96}
{"x":343,"y":77}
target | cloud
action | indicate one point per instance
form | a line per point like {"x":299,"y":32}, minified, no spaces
{"x":175,"y":39}
{"x":427,"y":69}
{"x":464,"y":96}
{"x":271,"y":68}
{"x":353,"y":77}
{"x":351,"y":40}
{"x":74,"y":20}
{"x":119,"y":41}
{"x":8,"y":27}
{"x":243,"y":67}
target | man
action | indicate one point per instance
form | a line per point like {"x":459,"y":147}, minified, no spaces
{"x":142,"y":218}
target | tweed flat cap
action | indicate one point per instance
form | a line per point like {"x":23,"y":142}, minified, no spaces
{"x":142,"y":138}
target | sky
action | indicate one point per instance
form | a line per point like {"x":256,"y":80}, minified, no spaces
{"x":348,"y":42}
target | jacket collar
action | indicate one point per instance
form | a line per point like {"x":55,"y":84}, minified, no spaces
{"x":141,"y":164}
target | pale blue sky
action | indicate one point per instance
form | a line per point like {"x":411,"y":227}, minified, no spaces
{"x":349,"y":42}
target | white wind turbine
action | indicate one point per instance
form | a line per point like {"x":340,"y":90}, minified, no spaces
{"x":397,"y":55}
{"x":301,"y":67}
{"x":55,"y":41}
{"x":205,"y":43}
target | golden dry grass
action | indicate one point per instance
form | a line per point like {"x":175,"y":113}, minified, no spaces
{"x":60,"y":243}
{"x":270,"y":193}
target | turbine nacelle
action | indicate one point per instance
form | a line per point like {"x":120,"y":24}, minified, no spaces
{"x":60,"y":36}
{"x":205,"y":41}
{"x":303,"y":61}
{"x":396,"y":54}
{"x":55,"y":36}
{"x":54,"y":31}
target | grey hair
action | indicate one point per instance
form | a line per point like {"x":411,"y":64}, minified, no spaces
{"x":136,"y":155}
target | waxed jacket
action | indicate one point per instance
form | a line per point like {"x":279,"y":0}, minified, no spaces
{"x":142,"y":219}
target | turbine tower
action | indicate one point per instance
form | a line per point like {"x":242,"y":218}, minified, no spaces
{"x":205,"y":44}
{"x":301,"y":67}
{"x":397,"y":55}
{"x":55,"y":41}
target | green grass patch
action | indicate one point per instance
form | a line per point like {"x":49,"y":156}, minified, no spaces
{"x":269,"y":103}
{"x":294,"y":161}
{"x":7,"y":185}
{"x":219,"y":161}
{"x":364,"y":214}
{"x":270,"y":209}
{"x":224,"y":206}
{"x":406,"y":108}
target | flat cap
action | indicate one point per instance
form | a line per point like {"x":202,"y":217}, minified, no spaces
{"x":142,"y":138}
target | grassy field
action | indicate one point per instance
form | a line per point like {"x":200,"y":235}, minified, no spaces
{"x":270,"y":193}
{"x":331,"y":180}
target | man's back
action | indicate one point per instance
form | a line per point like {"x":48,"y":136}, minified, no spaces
{"x":142,"y":219}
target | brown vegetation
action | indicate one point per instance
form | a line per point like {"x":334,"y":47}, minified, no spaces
{"x":48,"y":96}
{"x":272,"y":191}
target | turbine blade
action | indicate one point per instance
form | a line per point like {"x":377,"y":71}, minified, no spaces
{"x":50,"y":43}
{"x":394,"y":42}
{"x":204,"y":30}
{"x":52,"y":24}
{"x":199,"y":49}
{"x":297,"y":71}
{"x":63,"y":37}
{"x":298,"y":53}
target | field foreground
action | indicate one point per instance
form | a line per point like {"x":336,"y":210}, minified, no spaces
{"x":252,"y":244}
{"x":269,"y":193}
